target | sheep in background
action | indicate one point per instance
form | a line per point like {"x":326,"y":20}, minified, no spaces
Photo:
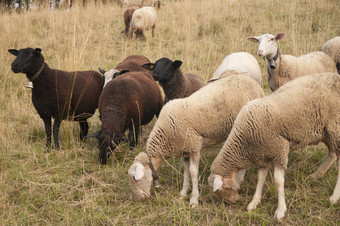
{"x":284,"y":68}
{"x":127,"y":102}
{"x":59,"y":94}
{"x":240,"y":62}
{"x":128,"y":16}
{"x":187,"y":125}
{"x":174,"y":83}
{"x":154,"y":3}
{"x":305,"y":111}
{"x":143,"y":19}
{"x":130,"y":63}
{"x":332,"y":48}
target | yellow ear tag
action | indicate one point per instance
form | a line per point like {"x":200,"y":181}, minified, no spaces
{"x":152,"y":66}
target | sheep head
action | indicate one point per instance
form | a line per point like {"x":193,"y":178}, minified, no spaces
{"x":163,"y":69}
{"x":225,"y":188}
{"x":140,"y":177}
{"x":111,"y":74}
{"x":27,"y":61}
{"x":267,"y":44}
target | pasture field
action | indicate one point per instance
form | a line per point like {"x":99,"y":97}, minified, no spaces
{"x":70,"y":187}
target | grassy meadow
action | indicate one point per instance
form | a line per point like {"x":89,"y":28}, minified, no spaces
{"x":70,"y":187}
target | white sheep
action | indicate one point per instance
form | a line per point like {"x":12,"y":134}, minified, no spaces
{"x":142,"y":20}
{"x":283,"y":68}
{"x":241,"y":62}
{"x":332,"y":48}
{"x":187,"y":125}
{"x":305,"y":111}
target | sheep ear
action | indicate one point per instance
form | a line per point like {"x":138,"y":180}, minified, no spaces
{"x":123,"y":72}
{"x":218,"y":182}
{"x":253,"y":39}
{"x":279,"y":36}
{"x":149,"y":66}
{"x":37,"y":51}
{"x":101,"y":70}
{"x":139,"y":174}
{"x":14,"y":52}
{"x":176,"y":63}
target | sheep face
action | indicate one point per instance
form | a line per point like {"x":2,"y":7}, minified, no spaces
{"x":224,"y":188}
{"x":163,"y":69}
{"x":26,"y":60}
{"x":111,"y":74}
{"x":106,"y":142}
{"x":140,"y":178}
{"x":267,"y":44}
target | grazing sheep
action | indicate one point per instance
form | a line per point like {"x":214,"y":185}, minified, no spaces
{"x":241,"y":62}
{"x":142,"y":20}
{"x":126,"y":102}
{"x":302,"y":112}
{"x":128,"y":16}
{"x":174,"y":83}
{"x":283,"y":68}
{"x":130,"y":63}
{"x":332,"y":48}
{"x":59,"y":94}
{"x":187,"y":125}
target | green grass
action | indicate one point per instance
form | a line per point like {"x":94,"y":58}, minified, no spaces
{"x":69,"y":187}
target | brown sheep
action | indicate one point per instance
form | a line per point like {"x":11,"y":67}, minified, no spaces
{"x":127,"y":102}
{"x":59,"y":94}
{"x":127,"y":17}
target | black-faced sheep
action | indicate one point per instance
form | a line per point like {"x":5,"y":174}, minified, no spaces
{"x":284,"y":68}
{"x":126,"y":102}
{"x":187,"y":125}
{"x":142,"y":20}
{"x":59,"y":94}
{"x":130,"y":63}
{"x":304,"y":111}
{"x":174,"y":83}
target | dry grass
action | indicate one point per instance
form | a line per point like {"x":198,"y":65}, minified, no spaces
{"x":70,"y":187}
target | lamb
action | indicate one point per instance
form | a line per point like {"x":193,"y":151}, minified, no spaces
{"x":187,"y":125}
{"x":174,"y":83}
{"x":241,"y":62}
{"x":283,"y":68}
{"x":130,"y":63}
{"x":59,"y":94}
{"x":332,"y":48}
{"x":305,"y":111}
{"x":126,"y":102}
{"x":128,"y":16}
{"x":143,"y":19}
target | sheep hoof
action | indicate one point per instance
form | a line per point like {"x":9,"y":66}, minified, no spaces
{"x":280,"y":213}
{"x":193,"y":205}
{"x":333,"y":200}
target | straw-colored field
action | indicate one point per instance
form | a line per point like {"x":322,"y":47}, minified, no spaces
{"x":69,"y":186}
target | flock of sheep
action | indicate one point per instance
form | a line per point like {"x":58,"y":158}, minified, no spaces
{"x":231,"y":108}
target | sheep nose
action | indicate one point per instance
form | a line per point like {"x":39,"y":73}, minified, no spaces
{"x":260,"y":52}
{"x":155,"y":76}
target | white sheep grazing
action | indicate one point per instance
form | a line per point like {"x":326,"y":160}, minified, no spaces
{"x":305,"y":111}
{"x":283,"y":68}
{"x":186,"y":125}
{"x":332,"y":48}
{"x":241,"y":62}
{"x":142,"y":20}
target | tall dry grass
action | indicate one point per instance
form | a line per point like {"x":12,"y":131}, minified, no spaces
{"x":70,"y":187}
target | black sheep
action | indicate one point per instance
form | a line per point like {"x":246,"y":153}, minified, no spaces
{"x":126,"y":102}
{"x":59,"y":94}
{"x":174,"y":83}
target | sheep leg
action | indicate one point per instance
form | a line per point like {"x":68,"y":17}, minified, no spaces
{"x":336,"y":193}
{"x":56,"y":126}
{"x":193,"y":169}
{"x":48,"y":125}
{"x":186,"y":180}
{"x":325,"y":165}
{"x":84,"y":129}
{"x":261,"y":178}
{"x":279,"y":179}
